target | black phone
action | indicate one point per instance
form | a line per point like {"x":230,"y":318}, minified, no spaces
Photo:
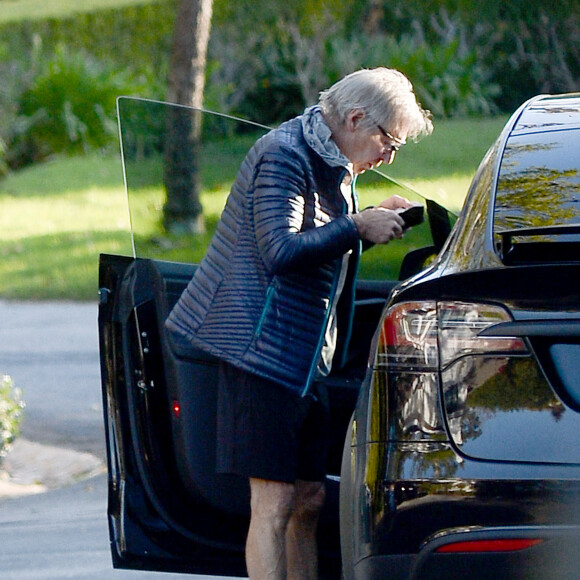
{"x":412,"y":216}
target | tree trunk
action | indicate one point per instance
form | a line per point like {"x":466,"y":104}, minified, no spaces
{"x":183,"y":210}
{"x":374,"y":23}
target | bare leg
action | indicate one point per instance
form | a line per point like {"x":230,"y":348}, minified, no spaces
{"x":272,"y":503}
{"x":282,"y":536}
{"x":301,"y":546}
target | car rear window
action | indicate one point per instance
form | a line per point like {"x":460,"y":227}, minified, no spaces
{"x":539,"y":188}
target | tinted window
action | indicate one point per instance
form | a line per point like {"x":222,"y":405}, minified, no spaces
{"x":539,"y":181}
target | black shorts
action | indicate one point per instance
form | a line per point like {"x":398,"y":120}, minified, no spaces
{"x":266,"y":431}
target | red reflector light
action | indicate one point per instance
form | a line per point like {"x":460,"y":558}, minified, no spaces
{"x":488,"y":546}
{"x":176,"y":409}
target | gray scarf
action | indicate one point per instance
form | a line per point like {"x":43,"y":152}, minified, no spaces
{"x":318,"y":136}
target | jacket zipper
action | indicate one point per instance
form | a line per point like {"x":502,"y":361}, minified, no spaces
{"x":269,"y":295}
{"x":316,"y":359}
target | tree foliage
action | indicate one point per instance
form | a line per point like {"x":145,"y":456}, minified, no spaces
{"x":268,"y":58}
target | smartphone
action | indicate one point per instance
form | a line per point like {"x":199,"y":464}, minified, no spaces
{"x":412,"y":216}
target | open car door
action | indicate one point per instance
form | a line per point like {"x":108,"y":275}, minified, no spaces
{"x":167,"y":508}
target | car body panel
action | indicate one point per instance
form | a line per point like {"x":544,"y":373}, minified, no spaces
{"x":485,"y":445}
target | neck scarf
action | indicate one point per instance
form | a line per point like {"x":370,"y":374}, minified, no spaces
{"x":318,"y":136}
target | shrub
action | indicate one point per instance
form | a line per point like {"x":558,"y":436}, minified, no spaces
{"x":449,"y":79}
{"x":15,"y":75}
{"x":11,"y":406}
{"x":69,"y":107}
{"x":133,"y":37}
{"x":463,"y":58}
{"x":538,"y":55}
{"x":283,"y":68}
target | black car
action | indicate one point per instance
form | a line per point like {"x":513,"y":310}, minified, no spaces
{"x":456,"y":418}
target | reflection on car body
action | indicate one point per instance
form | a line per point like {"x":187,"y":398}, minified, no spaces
{"x":455,"y":419}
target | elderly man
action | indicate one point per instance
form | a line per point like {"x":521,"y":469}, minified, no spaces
{"x":275,"y":292}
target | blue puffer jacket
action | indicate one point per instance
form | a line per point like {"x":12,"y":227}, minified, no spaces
{"x":260,"y":298}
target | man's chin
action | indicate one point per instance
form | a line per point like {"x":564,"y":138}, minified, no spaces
{"x":360,"y":169}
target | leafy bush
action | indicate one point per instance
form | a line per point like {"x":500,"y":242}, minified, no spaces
{"x":132,"y":37}
{"x":127,"y":49}
{"x":282,"y":69}
{"x":538,"y":55}
{"x":449,"y":79}
{"x":68,"y":108}
{"x":529,"y":46}
{"x":16,"y":75}
{"x":268,"y":59}
{"x":11,"y":406}
{"x":464,"y":58}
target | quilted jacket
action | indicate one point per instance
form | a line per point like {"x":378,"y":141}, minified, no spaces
{"x":260,"y":299}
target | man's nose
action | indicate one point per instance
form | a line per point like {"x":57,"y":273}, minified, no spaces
{"x":389,"y":156}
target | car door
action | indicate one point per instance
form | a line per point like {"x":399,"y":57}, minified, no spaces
{"x":167,"y":508}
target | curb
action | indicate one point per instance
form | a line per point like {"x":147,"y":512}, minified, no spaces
{"x":31,"y":468}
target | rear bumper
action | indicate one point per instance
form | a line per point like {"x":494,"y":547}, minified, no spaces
{"x":518,"y":552}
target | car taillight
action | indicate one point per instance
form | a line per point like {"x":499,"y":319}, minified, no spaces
{"x":432,"y":335}
{"x":407,"y":356}
{"x":460,"y":324}
{"x":501,"y":545}
{"x":409,"y":337}
{"x":421,"y":343}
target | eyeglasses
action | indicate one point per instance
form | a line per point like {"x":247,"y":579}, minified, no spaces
{"x":394,"y":143}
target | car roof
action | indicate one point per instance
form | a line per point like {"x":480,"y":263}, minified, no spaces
{"x":549,"y":113}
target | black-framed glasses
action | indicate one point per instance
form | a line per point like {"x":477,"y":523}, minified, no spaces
{"x":394,"y":143}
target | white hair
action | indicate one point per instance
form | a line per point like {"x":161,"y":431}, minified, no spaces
{"x":384,"y":95}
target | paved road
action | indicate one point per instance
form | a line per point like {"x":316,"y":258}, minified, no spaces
{"x":63,"y":534}
{"x":51,"y":352}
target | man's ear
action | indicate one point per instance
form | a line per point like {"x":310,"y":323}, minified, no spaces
{"x":353,"y":119}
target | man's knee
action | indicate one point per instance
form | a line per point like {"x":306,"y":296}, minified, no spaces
{"x":272,"y":501}
{"x":309,"y":497}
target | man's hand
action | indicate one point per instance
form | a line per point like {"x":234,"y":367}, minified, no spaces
{"x":378,"y":225}
{"x":395,"y":202}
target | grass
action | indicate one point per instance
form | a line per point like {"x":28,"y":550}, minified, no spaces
{"x":56,"y":218}
{"x":54,"y":221}
{"x":18,"y":10}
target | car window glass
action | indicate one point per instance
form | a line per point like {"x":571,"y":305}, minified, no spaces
{"x":384,"y":261}
{"x":539,"y":181}
{"x":145,"y":131}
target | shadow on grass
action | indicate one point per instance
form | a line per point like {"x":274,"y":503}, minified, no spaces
{"x":57,"y":267}
{"x":65,"y":266}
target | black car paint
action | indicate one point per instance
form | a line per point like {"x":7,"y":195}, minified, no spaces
{"x":416,"y":488}
{"x":403,"y":494}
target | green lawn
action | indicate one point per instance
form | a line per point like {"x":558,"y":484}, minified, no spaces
{"x":17,"y":10}
{"x":56,"y":218}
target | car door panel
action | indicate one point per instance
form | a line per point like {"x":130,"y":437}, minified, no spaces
{"x":153,"y":501}
{"x":167,"y":504}
{"x":168,"y":510}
